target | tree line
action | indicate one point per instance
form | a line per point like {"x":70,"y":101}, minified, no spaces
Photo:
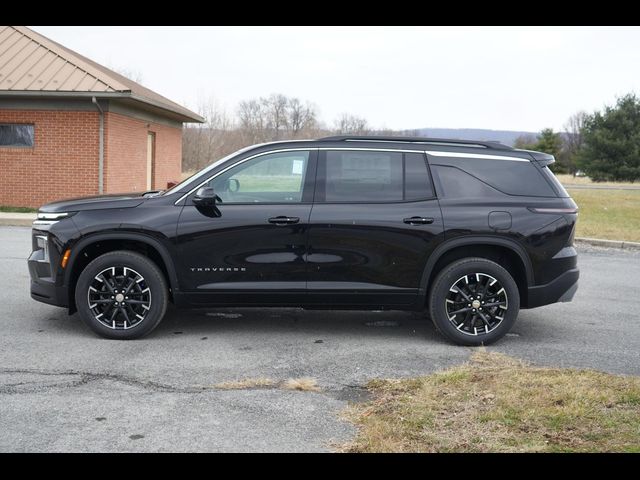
{"x":259,"y":120}
{"x":605,"y":145}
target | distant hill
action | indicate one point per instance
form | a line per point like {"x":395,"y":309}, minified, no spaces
{"x":506,"y":137}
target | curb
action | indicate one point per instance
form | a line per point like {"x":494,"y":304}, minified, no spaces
{"x":598,"y":242}
{"x":23,"y":220}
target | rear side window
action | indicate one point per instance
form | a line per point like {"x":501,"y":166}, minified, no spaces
{"x":456,"y":183}
{"x":513,"y":177}
{"x":373,"y":176}
{"x":555,"y":182}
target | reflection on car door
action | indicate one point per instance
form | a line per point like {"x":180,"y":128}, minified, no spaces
{"x":252,"y":249}
{"x":374,"y":222}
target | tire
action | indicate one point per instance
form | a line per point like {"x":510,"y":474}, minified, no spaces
{"x":453,"y":314}
{"x":106,"y":280}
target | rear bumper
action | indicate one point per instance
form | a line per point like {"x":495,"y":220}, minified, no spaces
{"x":562,"y":289}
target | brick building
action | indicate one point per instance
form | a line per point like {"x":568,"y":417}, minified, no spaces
{"x":71,"y":127}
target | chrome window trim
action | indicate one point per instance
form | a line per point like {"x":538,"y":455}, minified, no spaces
{"x":239,"y":163}
{"x":435,"y":153}
{"x":484,"y":156}
{"x":292,"y":150}
{"x":372,"y":149}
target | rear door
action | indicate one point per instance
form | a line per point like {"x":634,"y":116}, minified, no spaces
{"x":375,"y":220}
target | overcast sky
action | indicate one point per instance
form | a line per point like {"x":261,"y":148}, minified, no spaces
{"x":515,"y":78}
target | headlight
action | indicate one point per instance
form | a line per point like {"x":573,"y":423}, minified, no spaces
{"x":51,"y":218}
{"x":42,"y":242}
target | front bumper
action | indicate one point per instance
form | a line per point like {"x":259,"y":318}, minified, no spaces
{"x":43,"y":287}
{"x":562,"y":289}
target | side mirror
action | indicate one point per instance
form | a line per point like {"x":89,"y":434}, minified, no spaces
{"x":205,"y":197}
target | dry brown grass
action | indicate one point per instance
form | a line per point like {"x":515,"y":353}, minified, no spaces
{"x":246,"y":383}
{"x":611,"y":214}
{"x":571,"y":180}
{"x":496,"y":403}
{"x":304,"y":384}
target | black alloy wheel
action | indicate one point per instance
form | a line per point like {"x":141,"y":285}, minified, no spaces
{"x":474,"y":301}
{"x":121,"y":295}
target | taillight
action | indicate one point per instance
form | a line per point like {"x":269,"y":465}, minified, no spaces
{"x":560,"y":211}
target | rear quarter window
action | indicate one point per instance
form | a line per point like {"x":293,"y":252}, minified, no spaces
{"x":510,"y":177}
{"x":455,"y":183}
{"x":548,"y":174}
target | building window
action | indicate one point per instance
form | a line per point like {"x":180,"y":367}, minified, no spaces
{"x":16,"y":135}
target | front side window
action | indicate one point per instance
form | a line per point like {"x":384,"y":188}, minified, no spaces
{"x":16,"y":135}
{"x":373,"y":176}
{"x":271,"y":178}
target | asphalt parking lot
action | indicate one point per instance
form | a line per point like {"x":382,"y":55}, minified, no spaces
{"x":63,"y":389}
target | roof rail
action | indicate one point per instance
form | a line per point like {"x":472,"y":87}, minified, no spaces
{"x":433,"y":141}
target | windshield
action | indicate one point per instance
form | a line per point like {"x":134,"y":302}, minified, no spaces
{"x":183,"y":184}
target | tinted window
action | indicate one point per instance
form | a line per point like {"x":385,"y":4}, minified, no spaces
{"x":554,"y":181}
{"x":16,"y":135}
{"x":374,"y":176}
{"x":513,"y":177}
{"x":272,"y":178}
{"x":455,"y":183}
{"x":353,"y":176}
{"x":417,"y":184}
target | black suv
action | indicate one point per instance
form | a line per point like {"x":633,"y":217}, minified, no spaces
{"x":469,"y":231}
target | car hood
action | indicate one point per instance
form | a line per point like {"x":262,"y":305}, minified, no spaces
{"x":100,"y":202}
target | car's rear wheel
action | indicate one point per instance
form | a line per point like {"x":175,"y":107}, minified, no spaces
{"x":121,"y":295}
{"x":474,"y":301}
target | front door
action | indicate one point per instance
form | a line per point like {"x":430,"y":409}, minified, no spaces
{"x":250,"y":248}
{"x":374,"y":223}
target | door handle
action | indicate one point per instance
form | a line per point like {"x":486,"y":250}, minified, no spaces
{"x":418,"y":221}
{"x":282,"y":220}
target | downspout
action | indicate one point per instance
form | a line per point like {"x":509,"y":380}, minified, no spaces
{"x":100,"y":148}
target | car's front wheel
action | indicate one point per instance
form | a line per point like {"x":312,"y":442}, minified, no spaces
{"x":121,"y":295}
{"x":474,"y":301}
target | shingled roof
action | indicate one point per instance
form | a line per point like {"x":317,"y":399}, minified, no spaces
{"x":32,"y":64}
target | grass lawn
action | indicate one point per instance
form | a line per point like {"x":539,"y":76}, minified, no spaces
{"x":5,"y":209}
{"x":611,"y":214}
{"x":567,"y":179}
{"x":496,"y":403}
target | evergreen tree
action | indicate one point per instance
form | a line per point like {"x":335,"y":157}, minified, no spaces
{"x":611,"y":148}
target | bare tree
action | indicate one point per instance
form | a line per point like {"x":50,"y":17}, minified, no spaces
{"x":203,"y":143}
{"x":252,"y":118}
{"x":348,"y":124}
{"x":275,"y":117}
{"x":301,"y":117}
{"x":573,"y":140}
{"x":275,"y":108}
